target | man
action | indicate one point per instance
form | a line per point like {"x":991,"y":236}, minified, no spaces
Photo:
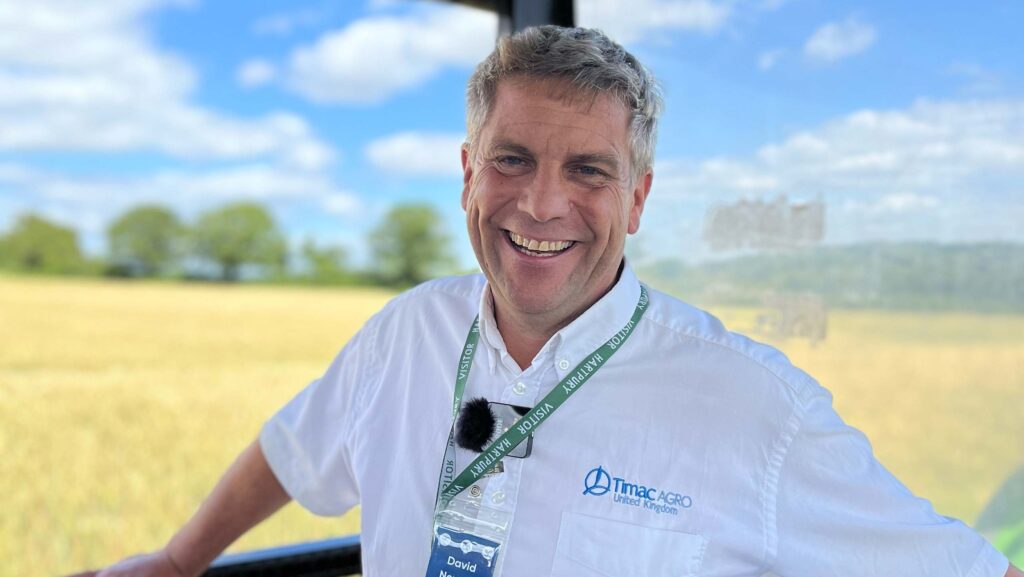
{"x":691,"y":451}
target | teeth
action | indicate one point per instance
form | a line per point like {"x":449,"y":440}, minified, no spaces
{"x":539,"y":245}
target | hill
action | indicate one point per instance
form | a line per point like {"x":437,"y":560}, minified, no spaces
{"x":912,"y":276}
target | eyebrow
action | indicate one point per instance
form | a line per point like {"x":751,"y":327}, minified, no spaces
{"x":509,"y":146}
{"x":609,"y":160}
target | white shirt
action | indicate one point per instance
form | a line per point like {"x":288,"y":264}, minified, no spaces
{"x":692,"y":451}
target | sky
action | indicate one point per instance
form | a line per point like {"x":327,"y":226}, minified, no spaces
{"x":906,"y":119}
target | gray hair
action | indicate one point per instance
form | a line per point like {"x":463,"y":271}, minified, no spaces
{"x":589,"y":62}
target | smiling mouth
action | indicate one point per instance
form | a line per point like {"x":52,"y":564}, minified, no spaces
{"x":541,"y":248}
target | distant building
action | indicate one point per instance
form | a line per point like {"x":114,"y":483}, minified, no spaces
{"x":760,"y":224}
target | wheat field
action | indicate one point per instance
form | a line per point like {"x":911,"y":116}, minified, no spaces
{"x":122,"y":402}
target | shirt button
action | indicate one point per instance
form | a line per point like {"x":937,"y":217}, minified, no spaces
{"x":498,"y":497}
{"x":563,"y":364}
{"x":519,"y":388}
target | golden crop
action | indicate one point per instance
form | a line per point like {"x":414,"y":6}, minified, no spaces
{"x":122,"y":402}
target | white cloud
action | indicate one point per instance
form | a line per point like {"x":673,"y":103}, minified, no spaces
{"x":769,"y":58}
{"x":631,"y":21}
{"x":186,"y":191}
{"x":345,"y":66}
{"x":837,"y":40}
{"x":896,"y":203}
{"x":11,"y":173}
{"x":89,"y":204}
{"x":86,"y":77}
{"x":256,"y":72}
{"x":181,"y":188}
{"x":978,"y":80}
{"x":284,"y":23}
{"x":931,"y":150}
{"x":417,"y":154}
{"x":341,"y":203}
{"x":376,"y":57}
{"x":949,"y":171}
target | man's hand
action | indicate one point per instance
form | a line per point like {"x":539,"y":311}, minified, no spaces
{"x":1014,"y":572}
{"x":156,"y":564}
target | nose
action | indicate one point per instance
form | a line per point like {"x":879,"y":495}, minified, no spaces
{"x":545,"y":197}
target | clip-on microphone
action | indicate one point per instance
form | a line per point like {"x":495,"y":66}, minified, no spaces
{"x":481,"y":421}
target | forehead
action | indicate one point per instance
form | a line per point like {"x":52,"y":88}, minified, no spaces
{"x":555,"y":116}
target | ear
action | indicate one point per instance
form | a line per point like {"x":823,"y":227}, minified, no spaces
{"x":640,"y":192}
{"x":467,"y":173}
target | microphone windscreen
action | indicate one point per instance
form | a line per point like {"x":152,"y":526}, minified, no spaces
{"x":476,"y":425}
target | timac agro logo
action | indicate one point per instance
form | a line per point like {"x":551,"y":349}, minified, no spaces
{"x":599,"y":482}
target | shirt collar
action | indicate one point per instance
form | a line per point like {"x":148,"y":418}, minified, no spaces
{"x":580,"y":337}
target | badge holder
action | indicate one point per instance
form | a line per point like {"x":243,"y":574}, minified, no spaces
{"x":469,"y":536}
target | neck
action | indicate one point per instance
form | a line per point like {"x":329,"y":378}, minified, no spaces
{"x":526,"y":334}
{"x":524,"y":338}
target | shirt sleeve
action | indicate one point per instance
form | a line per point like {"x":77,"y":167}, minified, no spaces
{"x":839,"y":512}
{"x":307,"y":443}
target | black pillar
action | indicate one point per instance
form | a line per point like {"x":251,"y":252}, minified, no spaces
{"x":515,"y":15}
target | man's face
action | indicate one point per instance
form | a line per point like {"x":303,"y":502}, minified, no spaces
{"x":549,"y":198}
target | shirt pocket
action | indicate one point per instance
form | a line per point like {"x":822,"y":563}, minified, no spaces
{"x":594,"y":547}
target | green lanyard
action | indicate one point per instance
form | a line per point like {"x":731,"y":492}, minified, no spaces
{"x":516,"y":434}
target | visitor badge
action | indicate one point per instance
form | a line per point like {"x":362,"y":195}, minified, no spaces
{"x":458,"y":554}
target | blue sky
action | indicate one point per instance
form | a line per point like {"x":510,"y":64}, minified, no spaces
{"x":906,"y":119}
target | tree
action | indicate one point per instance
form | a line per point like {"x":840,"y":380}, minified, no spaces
{"x":410,"y":245}
{"x":145,"y":240}
{"x":328,"y":264}
{"x":38,"y":245}
{"x":236,"y":235}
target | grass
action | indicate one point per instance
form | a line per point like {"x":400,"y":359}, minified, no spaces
{"x":121,"y":403}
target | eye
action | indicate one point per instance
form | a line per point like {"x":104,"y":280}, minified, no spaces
{"x":511,"y":161}
{"x":589,"y":174}
{"x":513,"y":165}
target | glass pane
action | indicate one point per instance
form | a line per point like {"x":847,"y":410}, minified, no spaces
{"x":846,"y":184}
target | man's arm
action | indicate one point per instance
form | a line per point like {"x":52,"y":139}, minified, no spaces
{"x":1014,"y":572}
{"x":247,"y":494}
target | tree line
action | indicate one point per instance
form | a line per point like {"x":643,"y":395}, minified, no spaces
{"x":238,"y":241}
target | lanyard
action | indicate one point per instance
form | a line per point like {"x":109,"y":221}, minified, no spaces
{"x":516,"y":434}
